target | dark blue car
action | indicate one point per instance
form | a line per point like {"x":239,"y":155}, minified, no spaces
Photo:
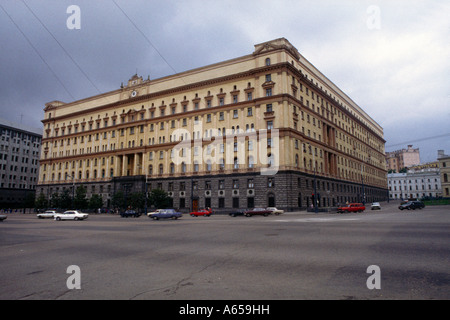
{"x":130,"y":213}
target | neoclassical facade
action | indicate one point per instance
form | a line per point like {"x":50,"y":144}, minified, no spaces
{"x":265,"y":129}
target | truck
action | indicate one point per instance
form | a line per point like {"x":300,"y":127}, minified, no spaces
{"x":352,"y":207}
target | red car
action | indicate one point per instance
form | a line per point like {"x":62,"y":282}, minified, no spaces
{"x":203,"y":212}
{"x":352,"y":207}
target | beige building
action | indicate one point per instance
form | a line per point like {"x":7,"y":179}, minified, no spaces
{"x":444,"y":166}
{"x":258,"y":130}
{"x":404,"y":158}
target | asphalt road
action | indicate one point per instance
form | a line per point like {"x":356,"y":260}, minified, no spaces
{"x":291,"y":256}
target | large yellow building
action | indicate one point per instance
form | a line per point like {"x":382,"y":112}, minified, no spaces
{"x":259,"y":130}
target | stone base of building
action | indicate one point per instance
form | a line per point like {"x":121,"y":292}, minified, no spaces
{"x":289,"y":190}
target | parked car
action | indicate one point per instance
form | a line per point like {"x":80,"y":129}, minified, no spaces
{"x":71,"y":215}
{"x":47,"y":214}
{"x":352,"y":207}
{"x":165,"y":214}
{"x":258,"y":211}
{"x":375,"y":206}
{"x":275,"y":211}
{"x":412,"y":205}
{"x":237,"y":212}
{"x":130,"y":213}
{"x":203,"y":212}
{"x":3,"y":217}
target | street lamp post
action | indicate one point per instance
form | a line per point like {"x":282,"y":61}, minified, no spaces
{"x":73,"y":187}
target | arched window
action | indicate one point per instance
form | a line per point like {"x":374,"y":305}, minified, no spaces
{"x":251,"y":162}
{"x":195,"y":166}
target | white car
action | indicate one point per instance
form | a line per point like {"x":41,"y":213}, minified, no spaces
{"x":275,"y":211}
{"x":47,"y":214}
{"x":375,"y":206}
{"x":71,"y":215}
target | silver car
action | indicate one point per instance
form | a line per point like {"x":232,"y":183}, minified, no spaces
{"x":47,"y":214}
{"x":71,"y":215}
{"x":375,"y":206}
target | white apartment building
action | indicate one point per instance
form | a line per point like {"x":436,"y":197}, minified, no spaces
{"x":415,"y":184}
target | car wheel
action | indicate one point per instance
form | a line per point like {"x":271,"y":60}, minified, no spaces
{"x":155,"y":218}
{"x":58,"y":219}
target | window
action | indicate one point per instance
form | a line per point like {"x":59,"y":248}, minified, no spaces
{"x":249,"y":112}
{"x":269,"y":125}
{"x":268,"y":62}
{"x":269,"y":108}
{"x":235,"y":114}
{"x":236,"y":202}
{"x":270,"y":182}
{"x":236,"y":163}
{"x":268,"y":77}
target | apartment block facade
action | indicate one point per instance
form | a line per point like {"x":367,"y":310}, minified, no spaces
{"x":265,"y":129}
{"x":404,"y":158}
{"x":19,"y":163}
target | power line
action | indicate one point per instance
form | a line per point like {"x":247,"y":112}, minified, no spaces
{"x":146,"y":38}
{"x":71,"y":58}
{"x":37,"y":52}
{"x":419,"y":140}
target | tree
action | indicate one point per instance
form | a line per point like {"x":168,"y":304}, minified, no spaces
{"x":80,"y":201}
{"x":136,"y":200}
{"x":41,"y":202}
{"x":118,"y":200}
{"x":159,"y":198}
{"x":96,"y":201}
{"x":55,"y":201}
{"x":66,"y":199}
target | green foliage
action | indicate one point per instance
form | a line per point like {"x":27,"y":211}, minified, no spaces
{"x":96,"y":201}
{"x":41,"y":202}
{"x":159,"y":199}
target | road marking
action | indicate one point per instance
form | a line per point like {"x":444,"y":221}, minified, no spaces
{"x":317,"y":220}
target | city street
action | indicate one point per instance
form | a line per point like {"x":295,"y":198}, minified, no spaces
{"x":291,"y":256}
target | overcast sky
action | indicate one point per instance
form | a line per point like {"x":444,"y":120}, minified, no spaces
{"x":391,"y":57}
